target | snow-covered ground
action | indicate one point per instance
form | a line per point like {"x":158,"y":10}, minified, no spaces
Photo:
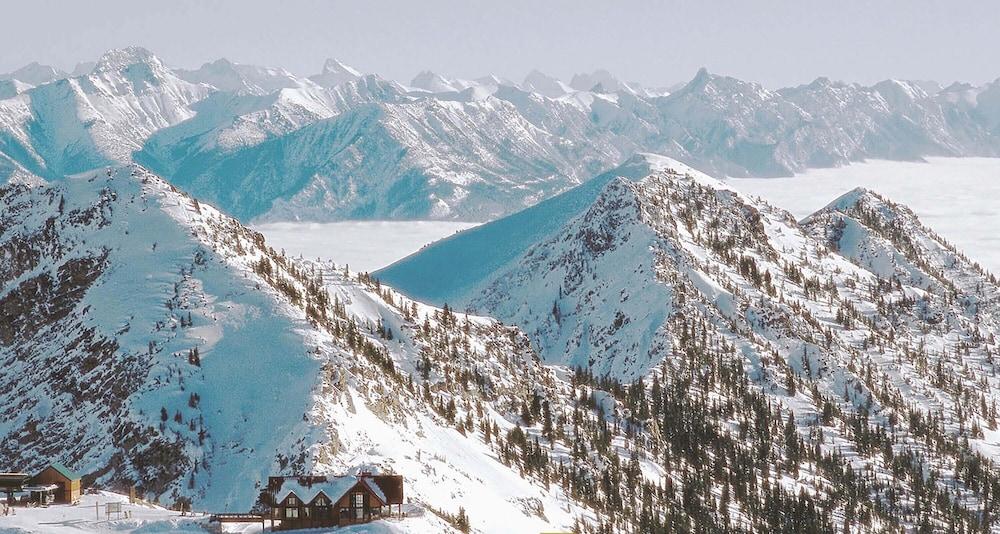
{"x":364,"y":245}
{"x":958,"y":197}
{"x":89,"y":516}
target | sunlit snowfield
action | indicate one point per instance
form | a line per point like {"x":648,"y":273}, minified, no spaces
{"x":364,"y":245}
{"x":958,"y":197}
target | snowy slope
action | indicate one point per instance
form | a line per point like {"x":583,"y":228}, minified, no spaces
{"x":477,"y":254}
{"x":408,"y":158}
{"x":859,"y":322}
{"x":151,"y":340}
{"x":735,"y":368}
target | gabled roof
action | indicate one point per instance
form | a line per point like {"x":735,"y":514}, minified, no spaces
{"x":391,"y":486}
{"x":334,"y":487}
{"x":62,"y":470}
{"x":375,"y":489}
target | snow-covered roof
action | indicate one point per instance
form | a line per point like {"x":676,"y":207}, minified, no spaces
{"x":334,"y":487}
{"x":375,"y":489}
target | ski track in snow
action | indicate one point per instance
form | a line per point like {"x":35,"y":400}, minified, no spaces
{"x":957,"y":197}
{"x":364,"y":245}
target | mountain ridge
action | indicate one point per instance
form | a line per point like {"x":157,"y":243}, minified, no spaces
{"x":131,"y":106}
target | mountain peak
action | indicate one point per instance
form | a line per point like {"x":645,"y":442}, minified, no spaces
{"x":335,"y":73}
{"x":433,"y":82}
{"x":35,"y":73}
{"x":820,"y":82}
{"x":864,"y":200}
{"x":120,"y":58}
{"x":598,"y":81}
{"x":541,"y":83}
{"x":221,"y":63}
{"x":900,"y":91}
{"x":857,"y":196}
{"x":701,"y":77}
{"x":334,"y":66}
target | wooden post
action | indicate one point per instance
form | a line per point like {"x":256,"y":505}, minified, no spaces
{"x":97,"y":510}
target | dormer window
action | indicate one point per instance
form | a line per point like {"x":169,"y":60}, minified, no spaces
{"x":321,"y":501}
{"x":292,"y":500}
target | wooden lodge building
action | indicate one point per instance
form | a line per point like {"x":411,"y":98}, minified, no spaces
{"x":67,"y":483}
{"x":327,"y":501}
{"x":53,"y":485}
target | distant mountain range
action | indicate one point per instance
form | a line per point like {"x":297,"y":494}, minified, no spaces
{"x":264,"y":144}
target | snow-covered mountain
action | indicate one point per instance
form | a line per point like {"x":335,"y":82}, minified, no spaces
{"x":735,"y":369}
{"x":341,"y":144}
{"x":873,"y":337}
{"x":148,"y":339}
{"x":335,"y":73}
{"x":475,"y":256}
{"x":719,"y":124}
{"x":435,"y":83}
{"x":401,"y":156}
{"x":545,"y":85}
{"x":34,"y":74}
{"x":76,"y":124}
{"x":225,"y":75}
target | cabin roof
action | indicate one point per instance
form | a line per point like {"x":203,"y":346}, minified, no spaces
{"x":391,"y":486}
{"x":62,"y":470}
{"x":375,"y":489}
{"x":334,"y":487}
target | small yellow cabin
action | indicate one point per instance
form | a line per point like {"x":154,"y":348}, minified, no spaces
{"x":67,"y":482}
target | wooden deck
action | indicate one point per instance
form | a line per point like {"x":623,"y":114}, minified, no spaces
{"x":236,"y":518}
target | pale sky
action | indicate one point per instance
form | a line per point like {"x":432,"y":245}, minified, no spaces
{"x":777,"y":43}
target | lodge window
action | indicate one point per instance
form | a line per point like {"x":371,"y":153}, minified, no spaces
{"x":358,"y":502}
{"x":292,"y":513}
